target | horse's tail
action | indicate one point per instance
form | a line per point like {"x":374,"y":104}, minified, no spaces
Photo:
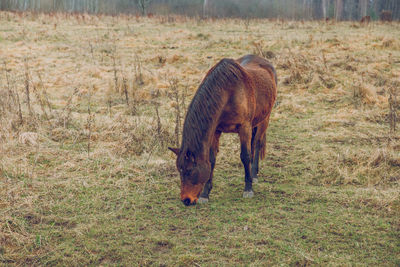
{"x":263,"y":145}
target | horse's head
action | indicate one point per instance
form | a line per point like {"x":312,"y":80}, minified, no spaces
{"x":194,"y":173}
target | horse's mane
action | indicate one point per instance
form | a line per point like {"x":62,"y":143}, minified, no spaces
{"x":207,"y":102}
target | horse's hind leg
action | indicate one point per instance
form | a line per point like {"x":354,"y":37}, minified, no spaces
{"x":245,"y":133}
{"x":254,"y":155}
{"x":258,"y":146}
{"x":254,"y":165}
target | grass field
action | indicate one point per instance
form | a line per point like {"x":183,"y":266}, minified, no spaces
{"x":86,"y":177}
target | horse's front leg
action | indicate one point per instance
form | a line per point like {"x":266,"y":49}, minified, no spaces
{"x":208,"y":186}
{"x":204,"y":196}
{"x":245,"y":155}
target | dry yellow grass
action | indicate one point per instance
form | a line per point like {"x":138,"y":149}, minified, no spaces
{"x":329,"y":144}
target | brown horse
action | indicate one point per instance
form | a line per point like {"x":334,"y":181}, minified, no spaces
{"x":365,"y":20}
{"x":236,"y":96}
{"x":386,"y":15}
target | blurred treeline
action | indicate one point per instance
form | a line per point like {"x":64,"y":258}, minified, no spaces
{"x":288,"y":9}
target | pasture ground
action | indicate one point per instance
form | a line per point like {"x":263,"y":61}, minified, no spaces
{"x":86,"y":177}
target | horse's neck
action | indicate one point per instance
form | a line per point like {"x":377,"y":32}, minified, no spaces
{"x":206,"y":136}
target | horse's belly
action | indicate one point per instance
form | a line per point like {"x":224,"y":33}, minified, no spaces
{"x":228,"y":128}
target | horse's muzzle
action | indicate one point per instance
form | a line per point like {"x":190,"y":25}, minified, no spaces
{"x":187,"y":202}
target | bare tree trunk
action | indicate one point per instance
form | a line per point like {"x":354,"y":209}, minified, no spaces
{"x":293,"y":8}
{"x":324,"y":8}
{"x":363,"y":7}
{"x":143,"y":6}
{"x":339,"y":9}
{"x":205,"y":6}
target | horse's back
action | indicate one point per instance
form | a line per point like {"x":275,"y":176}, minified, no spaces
{"x":255,"y":62}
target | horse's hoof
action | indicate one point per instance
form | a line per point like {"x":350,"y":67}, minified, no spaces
{"x":255,"y":180}
{"x":202,"y":200}
{"x":248,"y":194}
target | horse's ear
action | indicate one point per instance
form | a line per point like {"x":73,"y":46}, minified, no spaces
{"x":175,"y":150}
